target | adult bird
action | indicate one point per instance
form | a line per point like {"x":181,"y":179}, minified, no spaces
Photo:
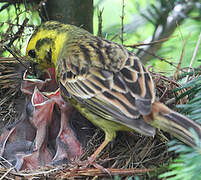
{"x":107,"y":83}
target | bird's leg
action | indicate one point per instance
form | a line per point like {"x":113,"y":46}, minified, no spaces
{"x":91,"y":160}
{"x":93,"y":157}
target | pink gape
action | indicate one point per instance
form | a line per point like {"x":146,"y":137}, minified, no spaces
{"x":46,"y":123}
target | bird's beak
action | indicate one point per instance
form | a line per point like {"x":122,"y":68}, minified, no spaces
{"x":44,"y":80}
{"x":36,"y":72}
{"x":37,"y":75}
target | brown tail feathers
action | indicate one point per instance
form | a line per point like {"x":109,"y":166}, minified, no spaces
{"x":174,"y":123}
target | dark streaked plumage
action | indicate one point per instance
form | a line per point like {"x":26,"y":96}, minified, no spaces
{"x":106,"y":83}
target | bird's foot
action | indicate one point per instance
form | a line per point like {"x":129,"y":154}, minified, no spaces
{"x":91,"y":161}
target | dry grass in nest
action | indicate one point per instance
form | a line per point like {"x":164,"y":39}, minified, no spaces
{"x":10,"y":79}
{"x":128,"y":155}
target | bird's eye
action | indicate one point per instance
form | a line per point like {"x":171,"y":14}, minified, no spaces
{"x":32,"y":53}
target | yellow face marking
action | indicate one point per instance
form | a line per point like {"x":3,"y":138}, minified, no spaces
{"x":57,"y":38}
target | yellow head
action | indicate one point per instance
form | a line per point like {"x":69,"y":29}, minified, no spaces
{"x":46,"y":43}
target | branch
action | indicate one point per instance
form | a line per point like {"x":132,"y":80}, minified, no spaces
{"x":165,"y":30}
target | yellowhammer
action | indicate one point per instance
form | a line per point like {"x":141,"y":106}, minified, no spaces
{"x":105,"y":82}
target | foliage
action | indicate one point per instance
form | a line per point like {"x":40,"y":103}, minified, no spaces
{"x":172,"y":49}
{"x":192,"y":109}
{"x":187,"y":165}
{"x":142,"y":19}
{"x":11,"y":31}
{"x":138,"y":27}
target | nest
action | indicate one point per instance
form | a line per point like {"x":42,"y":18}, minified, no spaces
{"x":128,"y":155}
{"x":10,"y":78}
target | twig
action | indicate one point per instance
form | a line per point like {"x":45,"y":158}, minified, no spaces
{"x":18,"y":25}
{"x":160,"y":58}
{"x":168,"y":27}
{"x":122,"y":22}
{"x":194,"y":55}
{"x":181,"y":57}
{"x":98,"y":172}
{"x":43,"y":4}
{"x":5,"y":6}
{"x":17,"y":58}
{"x":163,"y":93}
{"x":7,"y":172}
{"x":165,"y":78}
{"x":45,"y":172}
{"x":19,"y":32}
{"x":147,"y":44}
{"x":5,"y":160}
{"x":100,"y":21}
{"x":114,"y":37}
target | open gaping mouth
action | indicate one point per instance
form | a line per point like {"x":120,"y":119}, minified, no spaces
{"x":44,"y":80}
{"x":38,"y":76}
{"x":47,"y":136}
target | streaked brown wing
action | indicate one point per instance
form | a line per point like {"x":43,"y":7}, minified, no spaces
{"x":113,"y":84}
